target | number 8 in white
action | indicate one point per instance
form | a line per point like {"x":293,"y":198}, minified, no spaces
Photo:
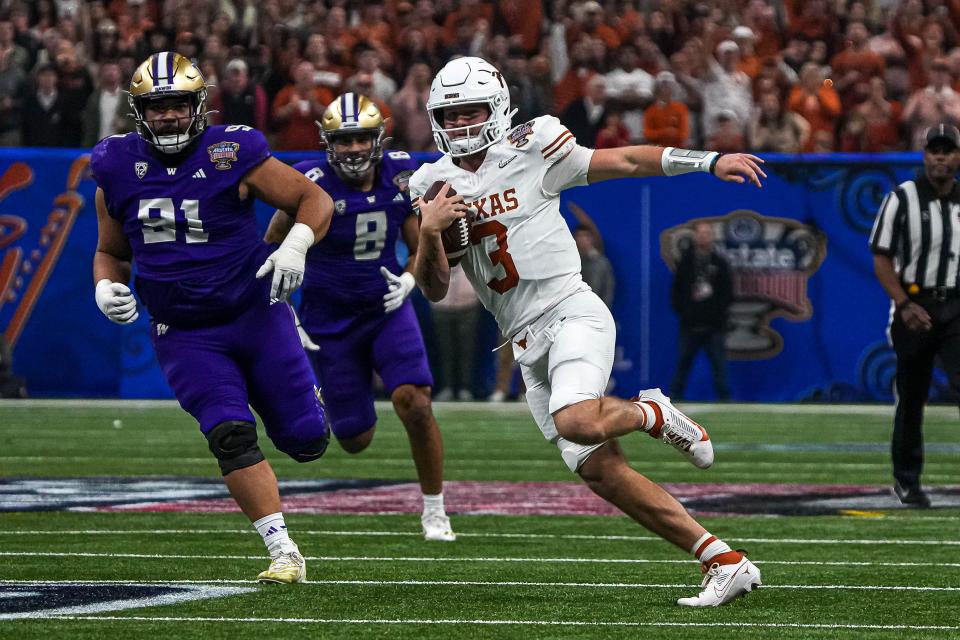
{"x":164,"y":228}
{"x":371,"y":235}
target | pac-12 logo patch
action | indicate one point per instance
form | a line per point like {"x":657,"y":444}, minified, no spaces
{"x":141,"y":169}
{"x":223,"y":153}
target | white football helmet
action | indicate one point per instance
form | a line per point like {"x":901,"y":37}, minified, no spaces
{"x":463,"y":81}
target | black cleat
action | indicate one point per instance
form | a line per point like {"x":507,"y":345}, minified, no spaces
{"x":911,"y":496}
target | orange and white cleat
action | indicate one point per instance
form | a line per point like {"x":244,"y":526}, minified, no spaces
{"x":725,"y":582}
{"x":676,"y":429}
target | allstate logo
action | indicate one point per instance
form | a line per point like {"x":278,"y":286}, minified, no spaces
{"x":771,"y":260}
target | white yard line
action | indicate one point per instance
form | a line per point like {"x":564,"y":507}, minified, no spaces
{"x":506,"y":583}
{"x":444,"y":560}
{"x":539,"y":623}
{"x":534,"y":536}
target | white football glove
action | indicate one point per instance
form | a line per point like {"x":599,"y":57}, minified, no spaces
{"x":399,"y":288}
{"x":288,"y":262}
{"x":116,"y":301}
{"x":305,"y":340}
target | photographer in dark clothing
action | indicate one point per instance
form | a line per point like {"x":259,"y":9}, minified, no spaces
{"x":701,"y":296}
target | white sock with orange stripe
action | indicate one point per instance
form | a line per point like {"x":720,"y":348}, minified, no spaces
{"x":652,"y":417}
{"x":709,"y":549}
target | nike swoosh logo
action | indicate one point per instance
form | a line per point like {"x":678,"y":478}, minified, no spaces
{"x":504,"y":163}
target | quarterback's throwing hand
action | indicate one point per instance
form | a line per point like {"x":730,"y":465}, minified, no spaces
{"x":740,"y":167}
{"x":399,"y":287}
{"x":116,"y":302}
{"x":288,"y":262}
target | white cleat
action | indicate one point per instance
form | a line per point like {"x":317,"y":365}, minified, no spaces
{"x":723,"y":583}
{"x":436,"y":527}
{"x":286,"y":568}
{"x":679,"y":431}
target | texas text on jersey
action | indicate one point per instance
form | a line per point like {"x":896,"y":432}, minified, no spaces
{"x":522,"y":258}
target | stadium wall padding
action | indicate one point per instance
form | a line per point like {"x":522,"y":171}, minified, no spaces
{"x":64,"y":347}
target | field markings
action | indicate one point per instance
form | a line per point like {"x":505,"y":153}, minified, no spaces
{"x":509,"y":583}
{"x":480,"y":559}
{"x":520,"y":409}
{"x":534,"y":536}
{"x":538,"y":623}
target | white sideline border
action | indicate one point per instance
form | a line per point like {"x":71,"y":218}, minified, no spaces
{"x":539,"y":623}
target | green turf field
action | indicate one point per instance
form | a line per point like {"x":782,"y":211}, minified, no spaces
{"x":884,"y":572}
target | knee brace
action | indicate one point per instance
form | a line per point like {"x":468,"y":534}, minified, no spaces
{"x":234,"y":444}
{"x":310,"y":451}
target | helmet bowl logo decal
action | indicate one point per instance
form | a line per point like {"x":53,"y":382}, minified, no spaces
{"x":771,"y":260}
{"x":141,"y":169}
{"x":223,"y":153}
{"x":24,"y":269}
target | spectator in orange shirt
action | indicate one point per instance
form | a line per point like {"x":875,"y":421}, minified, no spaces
{"x":592,"y":23}
{"x":471,"y":10}
{"x":297,"y":108}
{"x":666,"y":122}
{"x":816,"y":100}
{"x":749,"y":60}
{"x":573,"y":83}
{"x":373,"y":28}
{"x":853,"y":67}
{"x":613,"y":133}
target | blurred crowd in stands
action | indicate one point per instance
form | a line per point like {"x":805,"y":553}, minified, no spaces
{"x":765,"y":75}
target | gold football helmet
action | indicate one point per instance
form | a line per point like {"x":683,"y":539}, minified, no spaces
{"x":352,"y":114}
{"x":163,"y":76}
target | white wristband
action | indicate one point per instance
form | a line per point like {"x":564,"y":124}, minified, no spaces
{"x":300,"y":238}
{"x":675,"y":161}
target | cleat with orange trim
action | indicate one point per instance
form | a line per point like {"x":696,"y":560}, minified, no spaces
{"x":677,"y":430}
{"x":725,"y":582}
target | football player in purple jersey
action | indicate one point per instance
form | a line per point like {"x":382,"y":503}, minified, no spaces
{"x":354,"y":313}
{"x":176,"y":199}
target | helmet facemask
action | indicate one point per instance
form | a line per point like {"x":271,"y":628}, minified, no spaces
{"x":354,"y":166}
{"x":171,"y":142}
{"x":490,"y":131}
{"x":350,"y":116}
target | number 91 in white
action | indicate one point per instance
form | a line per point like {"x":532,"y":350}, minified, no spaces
{"x":164,"y":228}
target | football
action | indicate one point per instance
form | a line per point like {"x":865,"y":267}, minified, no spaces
{"x":456,"y":237}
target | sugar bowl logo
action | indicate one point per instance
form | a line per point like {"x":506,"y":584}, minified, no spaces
{"x":223,"y":153}
{"x":771,"y":260}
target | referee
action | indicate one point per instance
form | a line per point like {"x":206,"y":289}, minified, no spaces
{"x":916,"y":256}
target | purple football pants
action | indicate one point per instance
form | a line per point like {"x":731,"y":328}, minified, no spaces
{"x":389,"y":344}
{"x":256,"y":360}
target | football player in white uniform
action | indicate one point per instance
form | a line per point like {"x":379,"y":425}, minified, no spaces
{"x":523,"y":263}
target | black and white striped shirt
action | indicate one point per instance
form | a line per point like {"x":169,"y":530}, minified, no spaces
{"x":920,"y":231}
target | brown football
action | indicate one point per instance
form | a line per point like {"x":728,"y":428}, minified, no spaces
{"x":456,"y":237}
